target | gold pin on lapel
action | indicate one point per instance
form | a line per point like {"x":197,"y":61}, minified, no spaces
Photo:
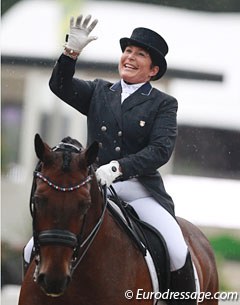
{"x":142,"y":123}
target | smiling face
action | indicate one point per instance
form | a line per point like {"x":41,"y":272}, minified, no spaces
{"x":135,"y":65}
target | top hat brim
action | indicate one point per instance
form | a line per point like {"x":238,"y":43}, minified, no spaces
{"x":157,"y":57}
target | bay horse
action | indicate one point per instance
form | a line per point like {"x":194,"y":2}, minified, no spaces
{"x":82,"y":255}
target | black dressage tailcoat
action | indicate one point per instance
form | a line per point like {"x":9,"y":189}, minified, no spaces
{"x":140,"y":133}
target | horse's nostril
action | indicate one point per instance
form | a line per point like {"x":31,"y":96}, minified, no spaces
{"x":40,"y":278}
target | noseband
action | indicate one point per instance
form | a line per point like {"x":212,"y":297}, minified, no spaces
{"x":63,"y":237}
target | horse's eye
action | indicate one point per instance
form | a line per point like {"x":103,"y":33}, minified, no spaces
{"x":35,"y":200}
{"x":84,"y":205}
{"x":38,"y":201}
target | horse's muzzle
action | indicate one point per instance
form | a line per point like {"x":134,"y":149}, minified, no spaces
{"x":53,"y":287}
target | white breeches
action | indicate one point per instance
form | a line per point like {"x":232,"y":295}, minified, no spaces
{"x":150,"y":211}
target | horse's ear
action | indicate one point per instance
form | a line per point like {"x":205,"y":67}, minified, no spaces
{"x":42,"y":149}
{"x":91,"y":153}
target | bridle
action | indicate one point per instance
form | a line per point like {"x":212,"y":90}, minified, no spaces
{"x":62,"y":188}
{"x":58,"y":236}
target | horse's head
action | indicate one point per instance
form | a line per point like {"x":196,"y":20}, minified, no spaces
{"x":59,"y":202}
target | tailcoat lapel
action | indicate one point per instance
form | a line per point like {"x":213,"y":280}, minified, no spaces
{"x":113,"y":95}
{"x":114,"y":101}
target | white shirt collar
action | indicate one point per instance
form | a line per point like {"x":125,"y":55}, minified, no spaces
{"x":128,"y":89}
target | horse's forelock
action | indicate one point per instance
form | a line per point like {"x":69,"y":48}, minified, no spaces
{"x":67,"y":157}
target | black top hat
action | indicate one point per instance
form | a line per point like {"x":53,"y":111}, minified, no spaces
{"x":153,"y":43}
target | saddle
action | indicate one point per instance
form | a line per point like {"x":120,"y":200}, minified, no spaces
{"x":145,"y":236}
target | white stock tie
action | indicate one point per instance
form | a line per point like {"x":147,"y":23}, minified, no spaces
{"x":128,"y":89}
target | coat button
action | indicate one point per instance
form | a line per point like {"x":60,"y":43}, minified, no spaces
{"x":100,"y":144}
{"x":103,"y":128}
{"x":120,"y":133}
{"x":117,"y":148}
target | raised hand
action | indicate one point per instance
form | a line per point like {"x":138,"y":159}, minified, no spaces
{"x":78,"y":36}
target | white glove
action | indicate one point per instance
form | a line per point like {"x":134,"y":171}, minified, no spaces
{"x":78,"y":37}
{"x":106,"y":174}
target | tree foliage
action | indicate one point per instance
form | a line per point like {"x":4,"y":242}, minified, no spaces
{"x":6,"y":4}
{"x":203,"y":5}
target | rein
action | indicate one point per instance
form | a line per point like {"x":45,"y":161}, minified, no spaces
{"x":64,"y":237}
{"x":90,"y":238}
